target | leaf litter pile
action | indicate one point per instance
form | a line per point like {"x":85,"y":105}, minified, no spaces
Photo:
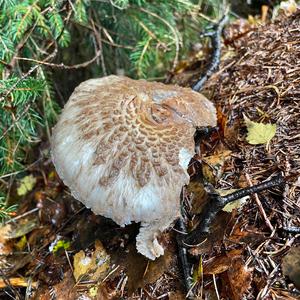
{"x":54,"y":248}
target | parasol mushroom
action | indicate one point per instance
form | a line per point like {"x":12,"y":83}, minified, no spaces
{"x":123,"y":146}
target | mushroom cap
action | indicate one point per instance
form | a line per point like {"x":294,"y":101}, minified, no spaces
{"x":123,"y":146}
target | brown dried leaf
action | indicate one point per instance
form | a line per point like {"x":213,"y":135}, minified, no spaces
{"x":220,"y":264}
{"x":198,"y":196}
{"x":248,"y":235}
{"x":53,"y":212}
{"x":240,"y":278}
{"x":64,"y":290}
{"x":213,"y":165}
{"x":216,"y":234}
{"x":141,"y":271}
{"x":178,"y":295}
{"x":140,"y":275}
{"x":16,"y":262}
{"x":5,"y":246}
{"x":41,"y":236}
{"x":217,"y":265}
{"x":291,"y":265}
{"x":221,"y":121}
{"x":231,"y":133}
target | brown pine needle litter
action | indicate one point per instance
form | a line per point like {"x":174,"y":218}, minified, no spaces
{"x":262,"y":81}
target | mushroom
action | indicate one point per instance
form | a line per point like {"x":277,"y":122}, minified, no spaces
{"x":123,"y":146}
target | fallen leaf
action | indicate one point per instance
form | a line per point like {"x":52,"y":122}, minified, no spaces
{"x":198,"y":196}
{"x":291,"y":265}
{"x":142,"y":274}
{"x":213,"y":165}
{"x":41,"y":236}
{"x":240,"y":278}
{"x":242,"y":182}
{"x":93,"y":267}
{"x":198,"y":272}
{"x":64,"y":290}
{"x":142,"y":271}
{"x":258,"y":281}
{"x":26,"y":185}
{"x":231,"y":133}
{"x":221,"y":120}
{"x":9,"y":232}
{"x":232,"y":33}
{"x":217,"y":265}
{"x":53,"y":268}
{"x":259,"y":133}
{"x":247,"y":235}
{"x":289,"y":7}
{"x":21,"y":244}
{"x":216,"y":233}
{"x":93,"y":291}
{"x":178,"y":295}
{"x":15,"y":261}
{"x":222,"y":263}
{"x":23,"y":227}
{"x":53,"y":212}
{"x":5,"y":245}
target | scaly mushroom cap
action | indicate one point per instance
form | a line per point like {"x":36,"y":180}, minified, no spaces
{"x":123,"y":146}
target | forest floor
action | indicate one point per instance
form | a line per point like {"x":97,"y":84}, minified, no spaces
{"x":55,"y":248}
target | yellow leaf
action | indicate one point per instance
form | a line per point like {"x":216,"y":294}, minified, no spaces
{"x":92,"y":267}
{"x":21,"y":244}
{"x":93,"y":291}
{"x":52,"y":175}
{"x":259,"y":133}
{"x":198,"y":272}
{"x":26,"y":185}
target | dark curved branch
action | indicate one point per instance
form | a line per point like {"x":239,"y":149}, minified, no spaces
{"x":216,"y":45}
{"x":217,"y":202}
{"x":183,"y":257}
{"x":292,"y":229}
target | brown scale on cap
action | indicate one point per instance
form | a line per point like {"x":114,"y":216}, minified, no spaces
{"x":123,"y":146}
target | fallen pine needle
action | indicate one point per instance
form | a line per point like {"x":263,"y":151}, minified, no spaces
{"x":16,"y":281}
